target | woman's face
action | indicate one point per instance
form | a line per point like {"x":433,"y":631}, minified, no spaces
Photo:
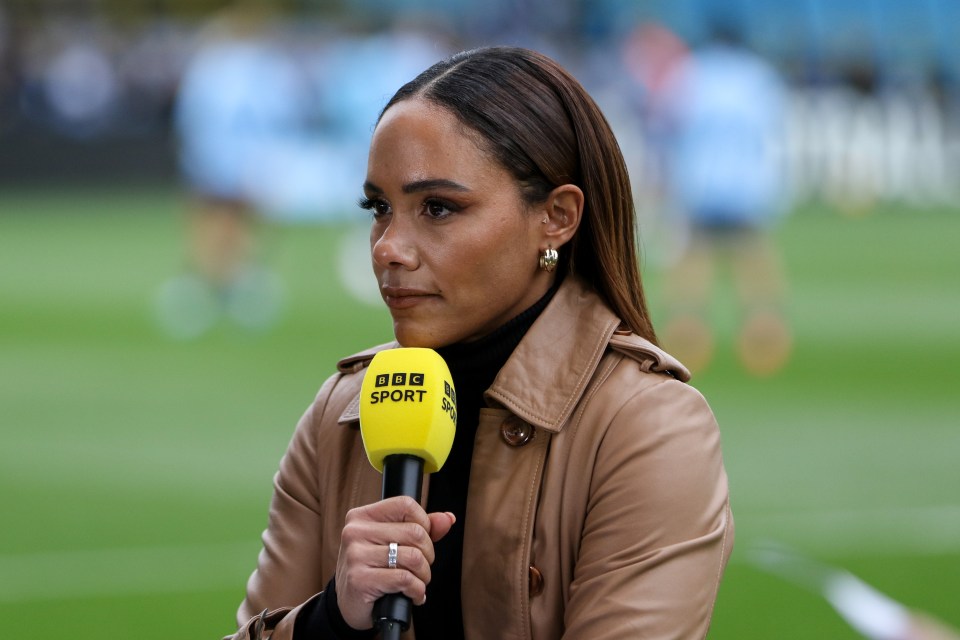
{"x":454,"y":247}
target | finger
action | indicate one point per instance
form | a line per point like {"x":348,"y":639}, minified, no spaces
{"x":366,"y":568}
{"x":362,"y":531}
{"x":365,"y":556}
{"x":401,"y":581}
{"x":380,"y":534}
{"x":399,"y":509}
{"x":440,"y":524}
{"x":370,"y":584}
{"x":408,"y":559}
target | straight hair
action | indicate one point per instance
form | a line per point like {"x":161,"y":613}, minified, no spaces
{"x":542,"y":126}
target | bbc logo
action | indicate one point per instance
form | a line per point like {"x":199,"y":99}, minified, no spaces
{"x":399,"y":380}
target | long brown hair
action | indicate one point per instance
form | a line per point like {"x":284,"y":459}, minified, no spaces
{"x":546,"y":130}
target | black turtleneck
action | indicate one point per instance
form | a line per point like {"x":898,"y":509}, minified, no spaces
{"x":473,"y":365}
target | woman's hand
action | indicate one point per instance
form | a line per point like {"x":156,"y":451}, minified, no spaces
{"x":362,"y":572}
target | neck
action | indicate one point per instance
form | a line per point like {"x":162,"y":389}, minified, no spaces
{"x":488,"y":354}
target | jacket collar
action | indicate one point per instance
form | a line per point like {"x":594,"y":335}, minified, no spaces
{"x":547,"y":374}
{"x":353,"y":364}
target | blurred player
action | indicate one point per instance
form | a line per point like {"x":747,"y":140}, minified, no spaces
{"x":724,"y":106}
{"x":240,"y":94}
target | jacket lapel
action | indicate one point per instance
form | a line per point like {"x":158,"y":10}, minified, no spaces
{"x":549,"y":370}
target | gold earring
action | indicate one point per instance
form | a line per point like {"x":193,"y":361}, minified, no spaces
{"x":549,"y":259}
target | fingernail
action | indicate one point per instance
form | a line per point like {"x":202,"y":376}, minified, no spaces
{"x":453,"y":518}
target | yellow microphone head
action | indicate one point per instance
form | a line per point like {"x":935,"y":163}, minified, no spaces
{"x":408,"y":405}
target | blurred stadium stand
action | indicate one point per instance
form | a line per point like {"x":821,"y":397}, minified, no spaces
{"x":87,"y":86}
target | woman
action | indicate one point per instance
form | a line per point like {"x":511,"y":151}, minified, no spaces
{"x":585,"y":495}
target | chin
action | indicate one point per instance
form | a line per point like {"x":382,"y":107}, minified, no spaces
{"x":419,"y":337}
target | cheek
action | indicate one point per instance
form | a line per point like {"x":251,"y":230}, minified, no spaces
{"x":497,"y":261}
{"x":490,"y":250}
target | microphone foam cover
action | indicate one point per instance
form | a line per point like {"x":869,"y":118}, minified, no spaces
{"x":408,"y":405}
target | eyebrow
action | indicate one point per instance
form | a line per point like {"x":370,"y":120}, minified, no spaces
{"x":420,"y":185}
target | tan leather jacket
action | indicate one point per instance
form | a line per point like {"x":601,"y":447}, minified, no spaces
{"x":597,"y":507}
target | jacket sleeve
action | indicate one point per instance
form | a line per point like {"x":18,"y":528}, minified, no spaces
{"x":288,"y":567}
{"x":658,"y":530}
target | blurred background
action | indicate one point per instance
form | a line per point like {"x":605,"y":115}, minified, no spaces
{"x":182,"y":262}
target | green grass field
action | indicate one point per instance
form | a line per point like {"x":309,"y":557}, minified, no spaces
{"x":135,"y":471}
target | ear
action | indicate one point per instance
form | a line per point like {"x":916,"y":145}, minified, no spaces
{"x":561,"y":214}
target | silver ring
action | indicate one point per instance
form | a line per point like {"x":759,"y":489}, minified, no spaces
{"x":392,"y":551}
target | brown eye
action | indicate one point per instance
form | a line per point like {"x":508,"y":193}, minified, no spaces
{"x":378,"y":206}
{"x":439,"y":209}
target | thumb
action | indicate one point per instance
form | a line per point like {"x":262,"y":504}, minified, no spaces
{"x":440,"y":524}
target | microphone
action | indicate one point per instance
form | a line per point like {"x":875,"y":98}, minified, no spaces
{"x":408,"y":417}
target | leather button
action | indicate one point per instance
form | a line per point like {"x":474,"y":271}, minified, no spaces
{"x":622,"y":330}
{"x":536,"y":581}
{"x":515,"y":432}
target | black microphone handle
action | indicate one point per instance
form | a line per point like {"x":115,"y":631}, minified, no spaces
{"x":402,"y":476}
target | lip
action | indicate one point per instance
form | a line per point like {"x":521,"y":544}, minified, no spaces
{"x":404,"y":297}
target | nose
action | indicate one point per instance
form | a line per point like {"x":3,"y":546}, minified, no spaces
{"x":393,"y":247}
